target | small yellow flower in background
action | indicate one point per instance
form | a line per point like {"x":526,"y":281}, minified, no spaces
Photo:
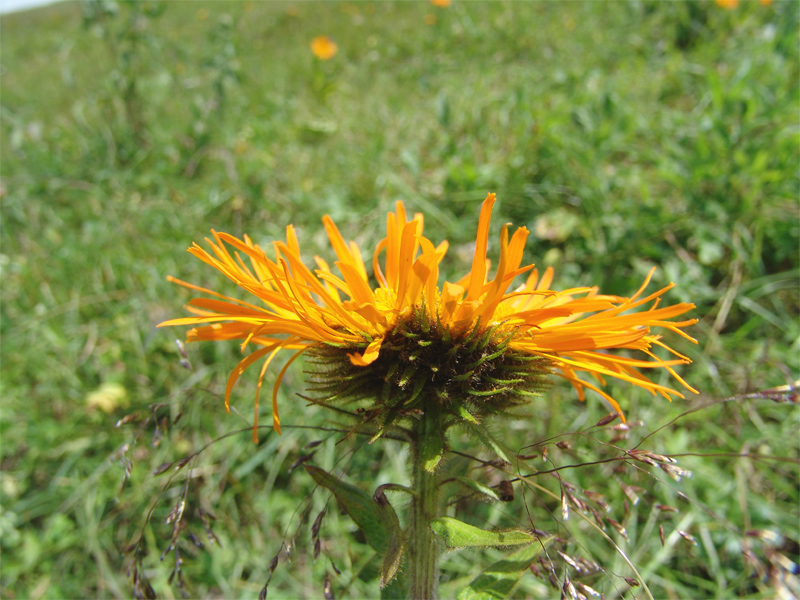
{"x":108,"y":398}
{"x":474,"y":346}
{"x":430,"y":19}
{"x":766,"y":2}
{"x":727,"y":4}
{"x":441,"y":3}
{"x":202,"y":14}
{"x":323,"y":47}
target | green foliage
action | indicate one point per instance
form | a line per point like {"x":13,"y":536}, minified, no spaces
{"x":489,"y":441}
{"x":367,"y":514}
{"x":500,"y":579}
{"x":457,"y":534}
{"x":622,"y":135}
{"x":125,"y":28}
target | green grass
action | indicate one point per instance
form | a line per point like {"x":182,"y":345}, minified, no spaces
{"x":623,"y":135}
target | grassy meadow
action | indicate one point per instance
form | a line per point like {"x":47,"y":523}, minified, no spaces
{"x":624,"y":135}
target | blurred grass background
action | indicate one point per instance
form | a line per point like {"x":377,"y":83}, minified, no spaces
{"x":622,"y":134}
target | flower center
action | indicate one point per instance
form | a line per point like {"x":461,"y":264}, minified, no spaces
{"x":422,"y":364}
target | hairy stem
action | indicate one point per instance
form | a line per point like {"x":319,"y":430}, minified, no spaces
{"x":423,"y":551}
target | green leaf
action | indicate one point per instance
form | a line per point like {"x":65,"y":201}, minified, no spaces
{"x":367,"y":514}
{"x":478,"y":487}
{"x":457,"y":534}
{"x":488,"y":440}
{"x":396,"y":543}
{"x":392,"y":560}
{"x":462,"y":412}
{"x":500,"y":579}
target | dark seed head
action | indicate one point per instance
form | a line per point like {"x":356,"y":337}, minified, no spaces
{"x":422,"y":364}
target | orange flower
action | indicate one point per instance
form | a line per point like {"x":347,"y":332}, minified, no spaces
{"x":441,"y":3}
{"x":299,"y":309}
{"x":323,"y":47}
{"x":728,"y":4}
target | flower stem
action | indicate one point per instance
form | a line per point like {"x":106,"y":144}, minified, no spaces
{"x":424,"y":555}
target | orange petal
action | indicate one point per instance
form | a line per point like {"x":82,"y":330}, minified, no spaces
{"x":478,"y":273}
{"x":370,"y":354}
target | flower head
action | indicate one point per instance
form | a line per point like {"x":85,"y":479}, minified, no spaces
{"x":323,"y":47}
{"x":474,"y":346}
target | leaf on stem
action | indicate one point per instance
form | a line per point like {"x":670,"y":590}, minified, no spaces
{"x":370,"y":517}
{"x":457,"y":534}
{"x":500,"y":579}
